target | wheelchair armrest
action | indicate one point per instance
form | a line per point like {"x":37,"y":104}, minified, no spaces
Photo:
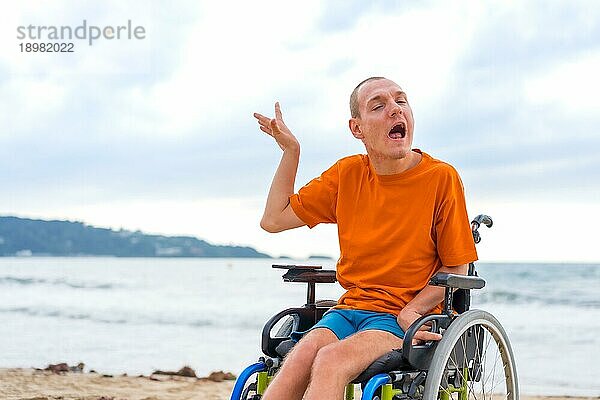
{"x":304,"y":318}
{"x":306,"y":273}
{"x":419,"y":356}
{"x":309,"y":275}
{"x":269,"y":343}
{"x":457,"y":281}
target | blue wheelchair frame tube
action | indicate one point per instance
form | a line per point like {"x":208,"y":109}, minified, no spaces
{"x":374,"y":384}
{"x":241,"y":380}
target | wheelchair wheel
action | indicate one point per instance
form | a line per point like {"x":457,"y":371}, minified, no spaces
{"x":474,"y":360}
{"x":249,"y":392}
{"x":286,"y":328}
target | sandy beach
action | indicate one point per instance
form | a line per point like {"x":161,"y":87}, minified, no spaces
{"x":32,"y":384}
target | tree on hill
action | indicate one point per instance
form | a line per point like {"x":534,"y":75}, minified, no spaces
{"x":66,"y":238}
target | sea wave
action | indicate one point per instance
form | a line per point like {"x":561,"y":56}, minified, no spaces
{"x":133,"y":319}
{"x":11,"y":280}
{"x":513,"y":297}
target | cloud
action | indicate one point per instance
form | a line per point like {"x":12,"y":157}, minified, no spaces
{"x":504,"y":91}
{"x":569,"y":87}
{"x":519,"y":117}
{"x":339,"y":15}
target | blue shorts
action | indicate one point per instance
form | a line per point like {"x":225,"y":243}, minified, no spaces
{"x":344,"y":322}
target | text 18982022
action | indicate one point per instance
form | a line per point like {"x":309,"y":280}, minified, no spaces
{"x":47,"y":47}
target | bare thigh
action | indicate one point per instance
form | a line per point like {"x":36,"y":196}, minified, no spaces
{"x":292,"y":379}
{"x":351,"y":356}
{"x":311,"y":343}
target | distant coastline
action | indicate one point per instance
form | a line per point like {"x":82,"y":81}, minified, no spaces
{"x":35,"y":237}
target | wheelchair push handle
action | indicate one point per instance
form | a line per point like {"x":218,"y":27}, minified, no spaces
{"x":481,"y":219}
{"x":476,"y":223}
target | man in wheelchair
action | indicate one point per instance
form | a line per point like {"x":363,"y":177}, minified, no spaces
{"x":401,"y":219}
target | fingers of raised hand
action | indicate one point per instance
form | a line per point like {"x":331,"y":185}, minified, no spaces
{"x":264,"y":123}
{"x":266,"y":130}
{"x":278,"y":114}
{"x":275,"y":127}
{"x":262,"y":120}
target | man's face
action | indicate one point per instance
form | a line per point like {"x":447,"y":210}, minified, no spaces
{"x":386,"y":123}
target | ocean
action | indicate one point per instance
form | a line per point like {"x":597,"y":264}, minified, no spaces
{"x":122,"y":315}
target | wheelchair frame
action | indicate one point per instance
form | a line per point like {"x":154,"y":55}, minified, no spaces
{"x":440,"y":370}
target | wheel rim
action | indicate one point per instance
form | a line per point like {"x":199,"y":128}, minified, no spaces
{"x":468,"y":374}
{"x":486,"y":375}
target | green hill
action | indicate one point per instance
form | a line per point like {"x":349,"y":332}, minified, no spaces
{"x":22,"y":236}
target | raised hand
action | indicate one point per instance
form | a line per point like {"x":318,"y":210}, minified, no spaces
{"x":278,"y":130}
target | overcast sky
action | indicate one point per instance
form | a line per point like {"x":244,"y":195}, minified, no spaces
{"x":157,"y":134}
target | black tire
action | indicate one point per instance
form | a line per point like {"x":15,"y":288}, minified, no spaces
{"x":249,"y":392}
{"x":286,"y":328}
{"x":326,"y":303}
{"x":491,"y":370}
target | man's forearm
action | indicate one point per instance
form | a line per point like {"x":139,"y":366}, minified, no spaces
{"x":426,"y":300}
{"x":431,"y":296}
{"x":282,"y":187}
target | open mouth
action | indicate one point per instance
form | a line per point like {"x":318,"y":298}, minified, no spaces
{"x":398,"y":131}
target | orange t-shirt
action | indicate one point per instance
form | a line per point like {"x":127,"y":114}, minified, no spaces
{"x":395,"y":231}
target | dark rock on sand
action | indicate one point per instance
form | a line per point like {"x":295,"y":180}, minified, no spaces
{"x":64,"y":367}
{"x":220,"y":376}
{"x":57,"y":368}
{"x":185,"y":371}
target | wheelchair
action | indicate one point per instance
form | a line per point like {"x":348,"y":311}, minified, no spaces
{"x":473,"y":360}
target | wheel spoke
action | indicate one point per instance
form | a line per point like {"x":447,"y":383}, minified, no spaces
{"x":474,"y":359}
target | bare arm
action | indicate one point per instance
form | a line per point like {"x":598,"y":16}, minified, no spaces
{"x":279,"y":215}
{"x":424,"y":302}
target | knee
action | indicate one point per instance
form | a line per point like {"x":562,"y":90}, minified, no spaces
{"x":303,"y":353}
{"x":329,"y":362}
